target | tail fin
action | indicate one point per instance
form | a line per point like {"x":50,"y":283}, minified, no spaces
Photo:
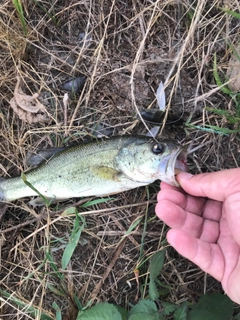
{"x":2,"y":196}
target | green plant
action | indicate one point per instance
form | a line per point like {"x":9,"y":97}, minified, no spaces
{"x":78,"y":226}
{"x":45,"y":201}
{"x":19,"y":8}
{"x":232,"y":13}
{"x":60,"y":289}
{"x":28,"y":309}
{"x":233,"y":118}
{"x":209,"y":306}
{"x":50,"y":13}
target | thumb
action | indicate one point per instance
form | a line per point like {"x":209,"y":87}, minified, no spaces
{"x":215,"y":185}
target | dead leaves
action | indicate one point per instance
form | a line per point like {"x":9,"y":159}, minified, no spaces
{"x":27,"y":107}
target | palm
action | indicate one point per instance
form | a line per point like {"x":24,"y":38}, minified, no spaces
{"x":204,"y":231}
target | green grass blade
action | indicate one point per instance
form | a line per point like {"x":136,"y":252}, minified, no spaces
{"x":19,"y":8}
{"x":78,"y":303}
{"x":27,"y":309}
{"x":24,"y":178}
{"x":141,"y":253}
{"x":58,"y":311}
{"x":232,"y":13}
{"x":51,"y":16}
{"x":53,"y":266}
{"x":219,"y":130}
{"x":236,"y":99}
{"x":73,"y":241}
{"x":213,"y":129}
{"x":55,"y":290}
{"x":96,"y":201}
{"x":218,"y":79}
{"x":132,"y":227}
{"x":31,"y":274}
{"x":225,"y":113}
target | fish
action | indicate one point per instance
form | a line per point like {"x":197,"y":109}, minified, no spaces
{"x":98,"y":168}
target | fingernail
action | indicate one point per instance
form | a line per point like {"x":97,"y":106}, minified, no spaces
{"x":185,"y":175}
{"x":181,"y":176}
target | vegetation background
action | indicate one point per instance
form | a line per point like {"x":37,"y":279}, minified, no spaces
{"x":121,"y":50}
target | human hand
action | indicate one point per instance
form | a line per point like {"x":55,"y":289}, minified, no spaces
{"x":205,"y":222}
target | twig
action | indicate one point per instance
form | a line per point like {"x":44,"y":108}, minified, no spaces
{"x":108,"y":270}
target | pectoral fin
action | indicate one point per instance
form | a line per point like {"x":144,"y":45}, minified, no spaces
{"x":106,"y":173}
{"x":39,"y":202}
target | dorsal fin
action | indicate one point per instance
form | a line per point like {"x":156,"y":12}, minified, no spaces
{"x":34,"y":159}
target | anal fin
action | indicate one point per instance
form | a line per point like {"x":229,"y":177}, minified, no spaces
{"x":39,"y":202}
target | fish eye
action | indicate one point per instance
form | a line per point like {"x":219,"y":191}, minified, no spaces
{"x":157,"y":148}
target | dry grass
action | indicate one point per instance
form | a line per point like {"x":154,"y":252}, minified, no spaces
{"x":133,"y":46}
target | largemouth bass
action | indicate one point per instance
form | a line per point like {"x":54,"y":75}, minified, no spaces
{"x":99,"y":168}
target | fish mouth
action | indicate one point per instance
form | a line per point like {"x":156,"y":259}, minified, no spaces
{"x":175,"y":163}
{"x":179,"y":163}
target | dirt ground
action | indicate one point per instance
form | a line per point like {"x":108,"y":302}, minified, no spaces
{"x":121,"y":50}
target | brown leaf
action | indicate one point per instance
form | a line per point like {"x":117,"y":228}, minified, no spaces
{"x":27,"y":107}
